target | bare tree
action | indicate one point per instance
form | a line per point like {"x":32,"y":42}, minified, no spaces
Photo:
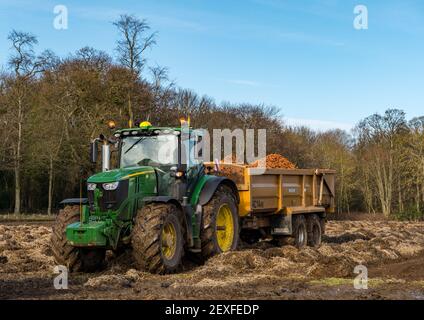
{"x":22,"y":63}
{"x":379,"y":136}
{"x":135,"y":40}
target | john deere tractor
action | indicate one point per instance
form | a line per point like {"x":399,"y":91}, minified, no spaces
{"x":157,"y":199}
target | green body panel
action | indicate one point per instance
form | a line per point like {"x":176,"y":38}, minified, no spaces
{"x":110,"y":228}
{"x":87,"y":234}
{"x":103,"y":228}
{"x":120,"y":174}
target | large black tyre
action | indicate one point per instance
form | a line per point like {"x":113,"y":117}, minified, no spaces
{"x":314,"y":230}
{"x":75,"y":259}
{"x":300,"y":231}
{"x":151,"y":240}
{"x":211,"y":231}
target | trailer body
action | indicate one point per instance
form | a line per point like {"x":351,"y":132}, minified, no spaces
{"x":269,"y":198}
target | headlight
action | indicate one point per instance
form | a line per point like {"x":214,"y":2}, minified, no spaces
{"x":110,"y":186}
{"x":91,"y":186}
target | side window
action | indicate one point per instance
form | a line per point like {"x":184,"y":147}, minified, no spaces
{"x":193,"y":158}
{"x":198,"y":148}
{"x":194,"y":146}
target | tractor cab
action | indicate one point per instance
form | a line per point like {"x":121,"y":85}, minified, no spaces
{"x":171,"y":153}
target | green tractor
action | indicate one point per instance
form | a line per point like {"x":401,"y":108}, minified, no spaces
{"x":158,"y":200}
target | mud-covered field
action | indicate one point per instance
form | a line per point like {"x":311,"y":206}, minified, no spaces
{"x":392,"y":251}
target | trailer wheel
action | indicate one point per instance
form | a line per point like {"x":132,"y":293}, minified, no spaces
{"x":314,"y":230}
{"x":322,"y":222}
{"x":75,"y":259}
{"x":157,"y":238}
{"x":300,"y":231}
{"x":220,"y":224}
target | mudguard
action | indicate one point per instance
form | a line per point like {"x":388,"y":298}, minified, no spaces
{"x":210,"y":187}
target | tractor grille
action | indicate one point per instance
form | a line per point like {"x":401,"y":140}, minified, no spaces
{"x":111,"y":199}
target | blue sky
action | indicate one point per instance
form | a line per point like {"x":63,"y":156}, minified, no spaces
{"x":304,"y":57}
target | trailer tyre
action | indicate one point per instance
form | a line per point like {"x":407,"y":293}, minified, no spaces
{"x":157,"y":238}
{"x":314,"y":230}
{"x":300,"y":231}
{"x":220,"y":224}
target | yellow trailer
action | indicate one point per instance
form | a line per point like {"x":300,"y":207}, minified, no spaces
{"x":281,"y":203}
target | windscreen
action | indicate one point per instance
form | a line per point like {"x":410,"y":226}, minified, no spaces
{"x":156,"y":151}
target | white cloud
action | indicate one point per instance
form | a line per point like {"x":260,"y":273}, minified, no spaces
{"x":320,"y":125}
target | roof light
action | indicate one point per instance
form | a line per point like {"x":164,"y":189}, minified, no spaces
{"x":145,"y":124}
{"x":111,"y":124}
{"x":184,"y":121}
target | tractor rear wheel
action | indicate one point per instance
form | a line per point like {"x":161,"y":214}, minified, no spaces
{"x":75,"y":259}
{"x":157,"y":238}
{"x":220,"y":224}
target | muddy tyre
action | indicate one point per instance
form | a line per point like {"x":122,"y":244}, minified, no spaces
{"x":63,"y":253}
{"x":300,"y":232}
{"x":220,"y":224}
{"x":75,"y":259}
{"x":157,"y":238}
{"x":314,"y":230}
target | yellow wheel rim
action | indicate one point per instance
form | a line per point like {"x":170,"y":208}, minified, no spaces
{"x":168,"y":241}
{"x":225,"y":228}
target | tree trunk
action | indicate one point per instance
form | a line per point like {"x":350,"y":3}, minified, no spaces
{"x":17,"y":190}
{"x":49,"y":208}
{"x":18,"y":161}
{"x":400,"y":198}
{"x":130,"y":112}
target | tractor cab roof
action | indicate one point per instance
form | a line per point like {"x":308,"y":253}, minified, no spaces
{"x":148,"y":130}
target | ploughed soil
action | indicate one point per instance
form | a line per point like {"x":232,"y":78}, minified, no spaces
{"x":393,"y":252}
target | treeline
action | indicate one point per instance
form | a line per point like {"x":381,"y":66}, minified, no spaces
{"x":51,"y":107}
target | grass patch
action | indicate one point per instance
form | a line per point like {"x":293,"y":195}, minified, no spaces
{"x":372,"y":283}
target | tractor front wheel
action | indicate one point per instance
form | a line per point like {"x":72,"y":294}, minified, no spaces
{"x":75,"y":259}
{"x":157,"y":238}
{"x":63,"y":252}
